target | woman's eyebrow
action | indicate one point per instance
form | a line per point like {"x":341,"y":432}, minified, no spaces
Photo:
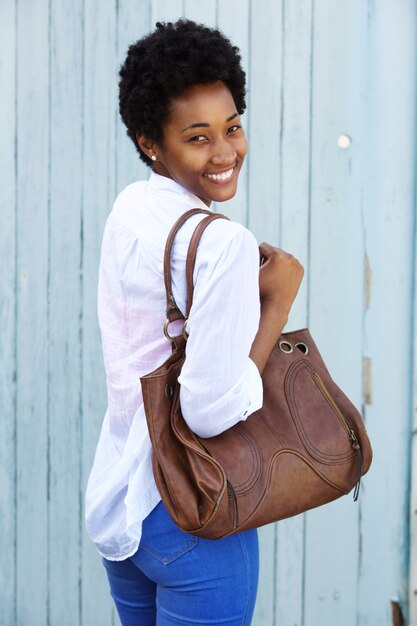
{"x":206,"y":125}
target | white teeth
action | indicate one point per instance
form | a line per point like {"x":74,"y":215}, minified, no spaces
{"x":223,"y":176}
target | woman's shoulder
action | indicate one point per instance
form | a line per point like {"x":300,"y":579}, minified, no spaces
{"x":128,"y":200}
{"x":136,"y":213}
{"x":222,"y":234}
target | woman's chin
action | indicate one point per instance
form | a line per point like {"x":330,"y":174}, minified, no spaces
{"x":220,"y":193}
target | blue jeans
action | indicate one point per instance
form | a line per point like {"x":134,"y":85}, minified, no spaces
{"x":177,"y":578}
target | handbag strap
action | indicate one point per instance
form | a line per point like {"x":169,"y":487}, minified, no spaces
{"x":192,"y":253}
{"x":173,"y":312}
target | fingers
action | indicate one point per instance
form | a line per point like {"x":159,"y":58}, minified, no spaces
{"x":279,"y":262}
{"x":266,"y":251}
{"x":266,"y":248}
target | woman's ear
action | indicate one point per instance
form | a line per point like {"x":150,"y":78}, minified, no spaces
{"x":146,"y":145}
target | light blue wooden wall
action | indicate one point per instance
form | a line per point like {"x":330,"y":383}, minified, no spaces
{"x":317,"y":69}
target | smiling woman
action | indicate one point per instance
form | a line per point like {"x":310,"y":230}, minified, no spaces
{"x":182,"y":91}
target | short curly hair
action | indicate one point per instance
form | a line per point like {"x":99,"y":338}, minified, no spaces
{"x":163,"y":64}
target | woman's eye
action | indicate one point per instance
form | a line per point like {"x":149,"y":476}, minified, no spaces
{"x":234,"y":128}
{"x":197,"y":138}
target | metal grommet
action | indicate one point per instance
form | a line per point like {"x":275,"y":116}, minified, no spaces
{"x":286,"y":347}
{"x":169,"y":391}
{"x":302,"y":346}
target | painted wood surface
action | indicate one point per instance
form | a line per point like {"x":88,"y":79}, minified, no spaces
{"x":99,"y":192}
{"x":8,"y":469}
{"x":32,"y":312}
{"x":317,"y":71}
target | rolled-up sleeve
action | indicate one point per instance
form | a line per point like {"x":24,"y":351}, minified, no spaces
{"x":220,"y":384}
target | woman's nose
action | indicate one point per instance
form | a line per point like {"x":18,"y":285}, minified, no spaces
{"x":223,"y":152}
{"x":225,"y":157}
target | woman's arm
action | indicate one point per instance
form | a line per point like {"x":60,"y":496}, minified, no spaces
{"x":279,"y":280}
{"x":273,"y":320}
{"x":232,"y":330}
{"x":220,"y":383}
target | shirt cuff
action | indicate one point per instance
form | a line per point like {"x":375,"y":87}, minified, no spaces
{"x":255,"y":390}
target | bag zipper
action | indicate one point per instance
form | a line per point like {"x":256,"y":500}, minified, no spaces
{"x":350,"y":432}
{"x":232,"y":497}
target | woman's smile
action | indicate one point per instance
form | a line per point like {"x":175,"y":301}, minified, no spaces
{"x":222,"y":177}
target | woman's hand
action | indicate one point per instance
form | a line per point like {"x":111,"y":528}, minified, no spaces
{"x":280,"y":276}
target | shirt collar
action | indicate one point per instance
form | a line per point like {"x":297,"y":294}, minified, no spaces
{"x":164,"y":184}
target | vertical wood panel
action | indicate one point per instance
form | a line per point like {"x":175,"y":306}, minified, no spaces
{"x":412,"y":572}
{"x":336,"y":284}
{"x":65,"y":516}
{"x":294,"y":164}
{"x":264,"y":129}
{"x":264,"y":112}
{"x":32,"y":316}
{"x":133,"y":22}
{"x":389,"y":197}
{"x":234,"y":21}
{"x":100,"y":108}
{"x":7,"y":314}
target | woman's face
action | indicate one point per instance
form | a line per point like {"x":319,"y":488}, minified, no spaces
{"x":204,"y":144}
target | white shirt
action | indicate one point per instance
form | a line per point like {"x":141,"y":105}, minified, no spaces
{"x":220,"y":384}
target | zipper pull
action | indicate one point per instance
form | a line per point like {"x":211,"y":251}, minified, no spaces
{"x":357,"y":447}
{"x":353,"y":437}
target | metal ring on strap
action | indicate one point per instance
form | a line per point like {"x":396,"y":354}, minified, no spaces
{"x":167,"y":335}
{"x":184,"y":329}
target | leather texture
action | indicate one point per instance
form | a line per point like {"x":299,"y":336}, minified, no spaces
{"x":305,"y":447}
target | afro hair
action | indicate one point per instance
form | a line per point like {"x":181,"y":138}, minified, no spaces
{"x":163,"y":64}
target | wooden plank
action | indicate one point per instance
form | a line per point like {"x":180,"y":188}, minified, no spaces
{"x":32,"y":418}
{"x":337,"y":252}
{"x":389,"y":207}
{"x":65,"y":512}
{"x":7,"y":314}
{"x":265,"y":600}
{"x":264,"y":121}
{"x":289,"y":575}
{"x":233,"y":19}
{"x":100,"y":109}
{"x":294,"y":166}
{"x":412,"y":551}
{"x":294,"y":162}
{"x":412,"y":587}
{"x":133,"y":22}
{"x":263,"y":124}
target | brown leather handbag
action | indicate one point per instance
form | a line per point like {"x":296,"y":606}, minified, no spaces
{"x":305,"y":447}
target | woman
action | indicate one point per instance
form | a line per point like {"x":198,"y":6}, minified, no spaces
{"x":182,"y":91}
